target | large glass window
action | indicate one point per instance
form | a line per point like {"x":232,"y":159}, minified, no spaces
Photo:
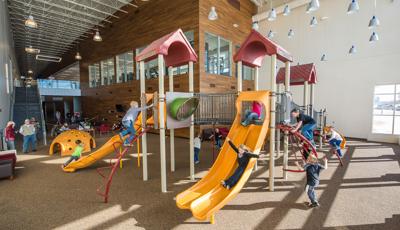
{"x":386,"y":115}
{"x":217,"y":55}
{"x":94,"y":75}
{"x":124,"y":67}
{"x":107,"y":72}
{"x":151,"y":67}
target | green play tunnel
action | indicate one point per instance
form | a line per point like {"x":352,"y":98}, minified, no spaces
{"x":182,"y":108}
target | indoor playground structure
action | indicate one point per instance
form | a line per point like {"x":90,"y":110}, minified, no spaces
{"x":65,"y":142}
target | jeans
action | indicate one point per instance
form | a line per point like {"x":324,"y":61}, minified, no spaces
{"x":72,"y":158}
{"x":218,"y":143}
{"x":196,"y":154}
{"x":29,"y":139}
{"x":308,"y":132}
{"x":312,"y":194}
{"x":232,"y":180}
{"x":336,"y":144}
{"x":249,"y":116}
{"x":10,"y":145}
{"x":129,"y":130}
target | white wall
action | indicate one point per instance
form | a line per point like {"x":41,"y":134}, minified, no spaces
{"x":345,"y":82}
{"x":7,"y":57}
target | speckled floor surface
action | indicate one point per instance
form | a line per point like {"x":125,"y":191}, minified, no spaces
{"x":364,"y":194}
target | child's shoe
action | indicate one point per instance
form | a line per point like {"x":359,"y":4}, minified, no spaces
{"x":223,"y":183}
{"x":314,"y":205}
{"x":196,"y":162}
{"x":228,"y":187}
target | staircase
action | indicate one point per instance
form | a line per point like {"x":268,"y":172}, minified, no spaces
{"x":26,"y":105}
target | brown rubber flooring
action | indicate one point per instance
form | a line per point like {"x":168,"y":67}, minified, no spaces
{"x":364,"y":194}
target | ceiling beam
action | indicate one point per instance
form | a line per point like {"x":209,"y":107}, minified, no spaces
{"x":90,"y":8}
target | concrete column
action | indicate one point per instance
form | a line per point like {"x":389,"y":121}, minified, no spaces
{"x":286,"y":137}
{"x":191,"y":90}
{"x":66,"y":109}
{"x":272,"y":125}
{"x":171,"y":131}
{"x":144,"y":118}
{"x":161,"y":106}
{"x":77,"y":104}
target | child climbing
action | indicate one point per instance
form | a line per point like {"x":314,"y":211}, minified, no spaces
{"x":128,"y":122}
{"x":197,"y":146}
{"x":76,"y":154}
{"x":312,"y":169}
{"x":253,"y":114}
{"x":334,"y":139}
{"x":243,"y":158}
{"x":306,"y":123}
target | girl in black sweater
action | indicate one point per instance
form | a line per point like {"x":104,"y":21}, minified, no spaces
{"x":243,"y":159}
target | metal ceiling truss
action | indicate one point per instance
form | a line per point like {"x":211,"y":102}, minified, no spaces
{"x":62,"y":24}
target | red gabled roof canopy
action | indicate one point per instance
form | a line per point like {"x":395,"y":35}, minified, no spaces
{"x":298,"y":74}
{"x":175,"y":48}
{"x":256,"y":47}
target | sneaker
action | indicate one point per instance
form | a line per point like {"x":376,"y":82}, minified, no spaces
{"x":228,"y":187}
{"x":244,"y":124}
{"x":314,"y":205}
{"x":128,"y":145}
{"x":34,"y":150}
{"x":223,"y":183}
{"x":196,"y":162}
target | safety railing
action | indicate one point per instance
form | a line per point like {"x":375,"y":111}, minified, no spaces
{"x":215,"y":109}
{"x":58,"y":84}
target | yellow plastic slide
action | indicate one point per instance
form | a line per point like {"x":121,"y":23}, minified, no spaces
{"x":207,"y":196}
{"x":88,"y":160}
{"x":108,"y":147}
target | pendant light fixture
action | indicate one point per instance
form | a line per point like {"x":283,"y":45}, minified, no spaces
{"x":314,"y":5}
{"x":270,"y":34}
{"x":324,"y":58}
{"x":30,"y":72}
{"x":352,"y":50}
{"x":255,"y":26}
{"x":78,"y":56}
{"x":272,"y":15}
{"x":212,"y":16}
{"x":290,"y":33}
{"x":313,"y":22}
{"x":97,"y":37}
{"x":374,"y":37}
{"x":30,"y":22}
{"x":353,"y":7}
{"x":374,"y":22}
{"x":308,"y":9}
{"x":286,"y":10}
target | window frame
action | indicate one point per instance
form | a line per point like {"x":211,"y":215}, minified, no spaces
{"x":219,"y":55}
{"x":395,"y":93}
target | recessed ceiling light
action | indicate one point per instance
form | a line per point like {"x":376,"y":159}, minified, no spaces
{"x":235,"y":25}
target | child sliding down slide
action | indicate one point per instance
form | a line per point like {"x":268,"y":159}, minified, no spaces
{"x":76,"y":154}
{"x":128,"y":122}
{"x":243,"y":158}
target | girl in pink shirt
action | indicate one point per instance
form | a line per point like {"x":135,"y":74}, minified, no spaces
{"x":254,"y":114}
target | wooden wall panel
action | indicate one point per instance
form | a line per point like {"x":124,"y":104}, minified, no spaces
{"x":227,"y":16}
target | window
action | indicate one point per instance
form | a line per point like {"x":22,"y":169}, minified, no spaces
{"x":94,"y":75}
{"x":248,"y":72}
{"x":217,"y":55}
{"x":107,"y":71}
{"x":151,"y":67}
{"x":125,"y":67}
{"x":386,"y":115}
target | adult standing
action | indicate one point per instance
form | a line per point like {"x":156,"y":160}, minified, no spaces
{"x":28,"y":131}
{"x":37,"y":128}
{"x":10,"y":135}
